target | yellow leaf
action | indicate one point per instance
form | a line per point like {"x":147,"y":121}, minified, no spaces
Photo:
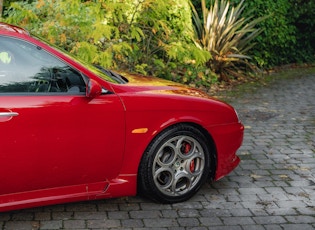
{"x":283,"y":176}
{"x":63,"y":38}
{"x":254,"y":176}
{"x":40,"y":3}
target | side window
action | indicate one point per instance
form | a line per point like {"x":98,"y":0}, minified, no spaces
{"x":25,"y":67}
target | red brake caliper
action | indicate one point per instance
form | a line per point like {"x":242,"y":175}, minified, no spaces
{"x":187,"y":148}
{"x":192,"y":166}
{"x":192,"y":163}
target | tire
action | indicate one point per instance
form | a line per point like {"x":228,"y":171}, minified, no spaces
{"x":175,"y":165}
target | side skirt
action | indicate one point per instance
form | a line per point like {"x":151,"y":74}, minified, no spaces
{"x":124,"y":185}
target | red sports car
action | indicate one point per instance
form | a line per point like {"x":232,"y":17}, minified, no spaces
{"x":72,"y":132}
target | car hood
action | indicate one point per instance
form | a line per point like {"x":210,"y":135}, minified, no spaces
{"x":147,"y":84}
{"x":143,"y":93}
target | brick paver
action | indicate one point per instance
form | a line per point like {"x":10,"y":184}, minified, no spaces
{"x":273,"y":188}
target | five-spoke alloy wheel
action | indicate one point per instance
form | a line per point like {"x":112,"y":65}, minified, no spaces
{"x":175,"y":165}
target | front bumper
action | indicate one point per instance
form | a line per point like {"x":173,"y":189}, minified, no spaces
{"x":228,"y":139}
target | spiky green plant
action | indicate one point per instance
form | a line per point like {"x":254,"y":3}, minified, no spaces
{"x":227,"y":35}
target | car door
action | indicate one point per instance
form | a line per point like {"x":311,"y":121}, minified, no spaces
{"x":51,"y":134}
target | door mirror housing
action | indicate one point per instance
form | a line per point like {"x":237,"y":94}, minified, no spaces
{"x":93,"y":89}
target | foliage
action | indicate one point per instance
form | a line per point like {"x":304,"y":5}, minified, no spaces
{"x":146,"y":36}
{"x":166,"y":42}
{"x":279,"y":43}
{"x":277,"y":37}
{"x":227,"y":36}
{"x":287,"y":36}
{"x":155,"y":37}
{"x":303,"y":18}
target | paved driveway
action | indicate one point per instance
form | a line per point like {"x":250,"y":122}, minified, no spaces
{"x":273,"y":188}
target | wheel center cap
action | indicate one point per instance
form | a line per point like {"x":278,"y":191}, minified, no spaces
{"x":177,"y":164}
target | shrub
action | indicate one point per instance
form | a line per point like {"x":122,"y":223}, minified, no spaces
{"x":288,"y":33}
{"x":278,"y":43}
{"x":303,"y":19}
{"x":227,"y":35}
{"x":146,"y":36}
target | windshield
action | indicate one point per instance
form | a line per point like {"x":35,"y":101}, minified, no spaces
{"x":105,"y":74}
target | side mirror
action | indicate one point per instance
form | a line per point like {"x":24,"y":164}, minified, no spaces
{"x":93,"y":89}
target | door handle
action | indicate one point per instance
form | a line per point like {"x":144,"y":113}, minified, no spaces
{"x":8,"y":114}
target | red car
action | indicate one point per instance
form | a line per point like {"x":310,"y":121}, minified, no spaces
{"x":72,"y":132}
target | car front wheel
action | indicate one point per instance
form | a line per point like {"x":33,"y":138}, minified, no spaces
{"x":175,"y":165}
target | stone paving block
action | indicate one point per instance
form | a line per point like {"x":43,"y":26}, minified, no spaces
{"x":188,"y":222}
{"x":165,"y":222}
{"x":260,"y":211}
{"x":225,"y":228}
{"x":270,"y":219}
{"x":53,"y":208}
{"x":188,"y":205}
{"x":62,"y":215}
{"x":210,"y":221}
{"x":74,"y":224}
{"x":118,"y":215}
{"x":145,"y":214}
{"x":51,"y":224}
{"x":22,"y":216}
{"x":297,"y":226}
{"x":198,"y":228}
{"x":90,"y":215}
{"x":129,"y":206}
{"x":155,"y":206}
{"x":188,"y":213}
{"x":132,"y":223}
{"x":301,"y":219}
{"x":169,"y":213}
{"x":282,"y":211}
{"x":233,"y":198}
{"x":290,"y":204}
{"x":103,"y":207}
{"x":81,"y":207}
{"x":103,"y":224}
{"x":43,"y":216}
{"x":272,"y":227}
{"x":215,"y":212}
{"x":309,"y":210}
{"x":241,"y":212}
{"x":238,"y":221}
{"x":21,"y":225}
{"x":253,"y":227}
